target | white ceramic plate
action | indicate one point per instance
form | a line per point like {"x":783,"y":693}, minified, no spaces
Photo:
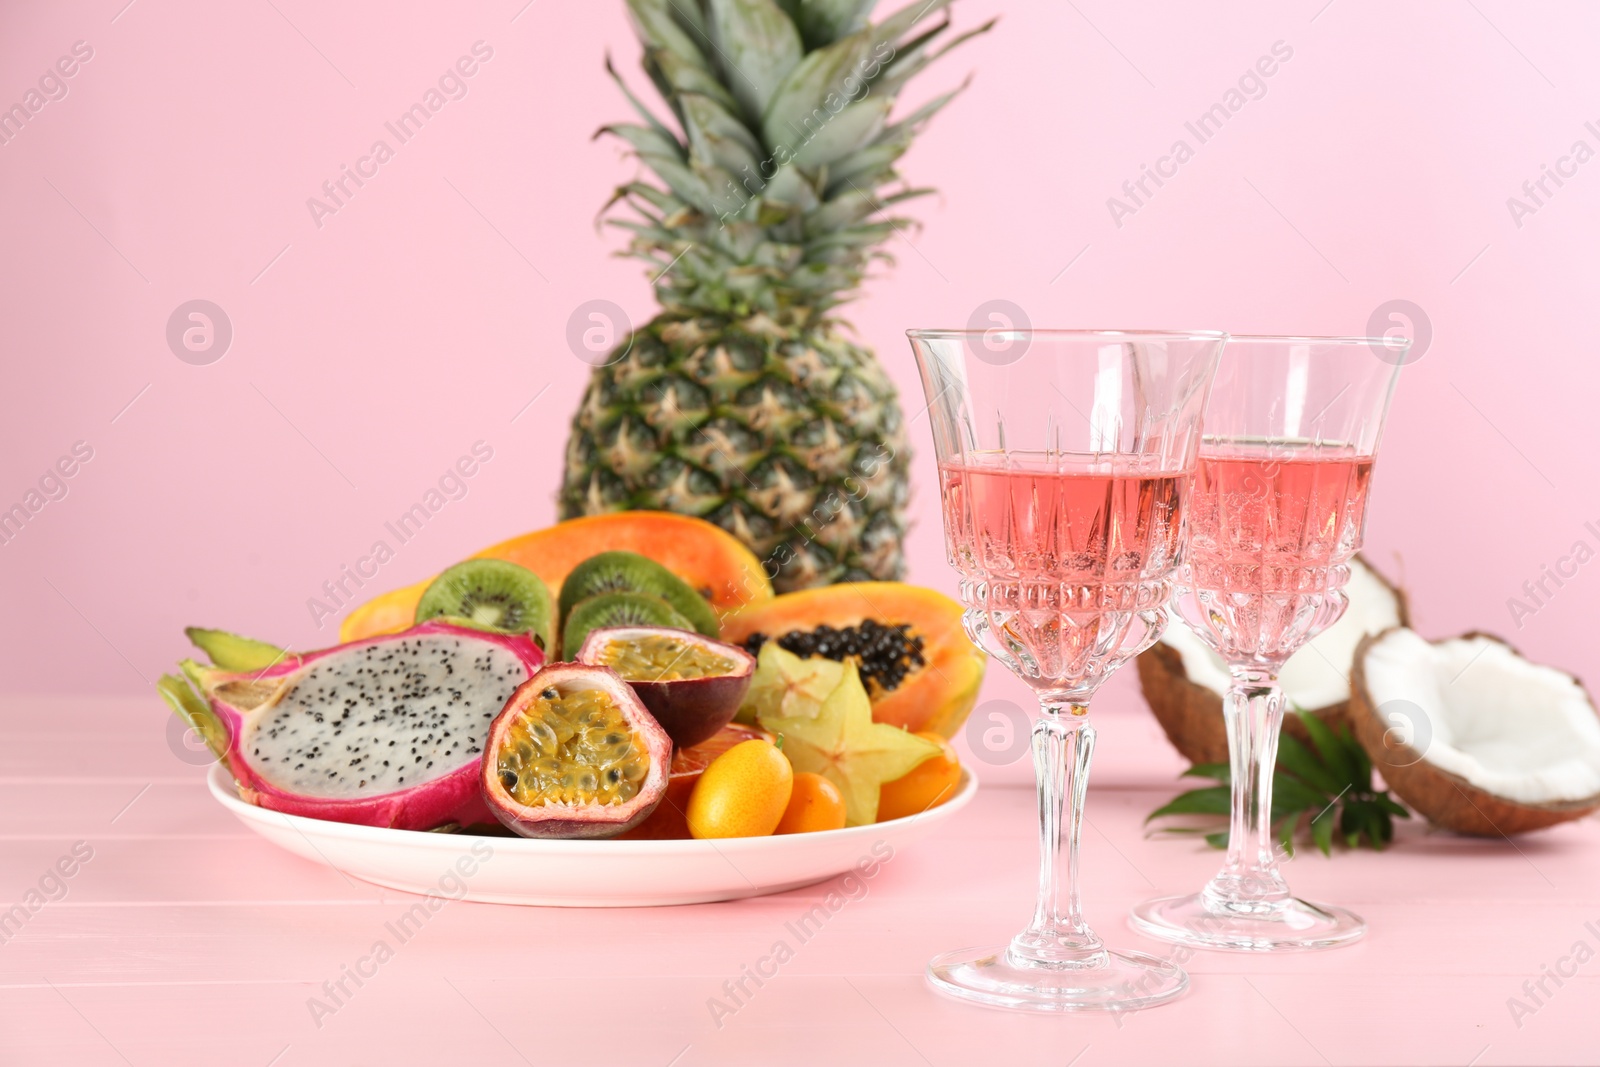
{"x":584,"y":874}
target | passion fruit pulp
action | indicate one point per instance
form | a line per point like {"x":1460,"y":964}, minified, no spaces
{"x":691,"y":683}
{"x":575,"y":753}
{"x":662,"y":657}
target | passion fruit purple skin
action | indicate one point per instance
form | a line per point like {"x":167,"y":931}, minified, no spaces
{"x":582,"y":821}
{"x":689,"y":709}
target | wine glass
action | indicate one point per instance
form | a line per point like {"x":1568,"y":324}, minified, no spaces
{"x":1278,"y":508}
{"x":1064,"y":464}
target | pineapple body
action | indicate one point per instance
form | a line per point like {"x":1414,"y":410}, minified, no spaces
{"x":772,"y":191}
{"x":794,"y":443}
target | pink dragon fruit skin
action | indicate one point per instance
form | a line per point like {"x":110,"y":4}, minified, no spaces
{"x":309,"y":697}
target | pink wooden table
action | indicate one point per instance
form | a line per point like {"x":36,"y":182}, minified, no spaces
{"x":184,"y":939}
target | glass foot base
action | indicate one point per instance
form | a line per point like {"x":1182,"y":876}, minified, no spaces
{"x":1288,"y":926}
{"x":1106,"y":981}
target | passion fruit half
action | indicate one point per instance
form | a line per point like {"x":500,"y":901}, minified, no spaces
{"x":691,"y":683}
{"x":574,"y":753}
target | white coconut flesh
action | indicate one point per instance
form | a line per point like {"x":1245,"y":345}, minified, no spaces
{"x":382,"y":717}
{"x":1319,"y":674}
{"x":1515,"y":729}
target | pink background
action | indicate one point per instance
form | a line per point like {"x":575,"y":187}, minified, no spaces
{"x":368,"y":354}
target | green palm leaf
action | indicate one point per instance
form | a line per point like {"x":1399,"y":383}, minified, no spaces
{"x":1326,"y":789}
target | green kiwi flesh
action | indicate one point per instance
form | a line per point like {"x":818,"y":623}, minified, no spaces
{"x":629,"y":572}
{"x":492,"y":594}
{"x":618,"y":609}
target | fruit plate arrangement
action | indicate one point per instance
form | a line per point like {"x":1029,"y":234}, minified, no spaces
{"x":608,"y":728}
{"x":587,"y":874}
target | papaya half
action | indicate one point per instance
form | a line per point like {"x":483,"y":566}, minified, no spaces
{"x":935,"y":695}
{"x":710,"y":559}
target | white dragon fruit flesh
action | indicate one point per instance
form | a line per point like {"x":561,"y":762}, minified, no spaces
{"x":385,"y":731}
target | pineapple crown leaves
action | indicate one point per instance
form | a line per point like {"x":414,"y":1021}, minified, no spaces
{"x":773,"y":190}
{"x":1331,"y":782}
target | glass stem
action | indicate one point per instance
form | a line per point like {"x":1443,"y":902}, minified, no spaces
{"x":1063,"y":742}
{"x":1249,"y":882}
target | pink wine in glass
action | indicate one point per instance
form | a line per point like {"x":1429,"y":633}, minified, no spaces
{"x":1278,"y":508}
{"x":1270,"y":532}
{"x":1062,"y":551}
{"x":1065,"y":530}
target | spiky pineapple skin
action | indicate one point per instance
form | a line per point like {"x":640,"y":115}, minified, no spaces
{"x":790,"y":439}
{"x":771,"y":190}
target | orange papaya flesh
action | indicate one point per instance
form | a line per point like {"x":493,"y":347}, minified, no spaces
{"x":936,"y":695}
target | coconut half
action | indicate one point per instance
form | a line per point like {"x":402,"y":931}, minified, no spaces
{"x":1473,"y":736}
{"x":1184,"y":680}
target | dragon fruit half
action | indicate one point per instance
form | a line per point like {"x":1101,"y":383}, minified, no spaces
{"x":385,"y":731}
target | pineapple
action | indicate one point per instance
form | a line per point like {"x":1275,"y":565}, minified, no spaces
{"x":745,"y":402}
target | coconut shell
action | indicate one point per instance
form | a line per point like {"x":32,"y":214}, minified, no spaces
{"x":1190,"y":714}
{"x":1447,"y":800}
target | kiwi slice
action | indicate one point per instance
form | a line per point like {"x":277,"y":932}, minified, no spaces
{"x":629,"y":572}
{"x":492,"y":594}
{"x":618,"y":609}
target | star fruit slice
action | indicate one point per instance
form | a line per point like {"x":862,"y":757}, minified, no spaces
{"x":786,"y":685}
{"x":838,"y":740}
